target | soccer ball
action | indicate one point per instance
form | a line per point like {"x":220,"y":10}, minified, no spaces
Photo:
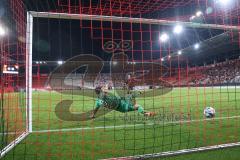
{"x":209,"y":112}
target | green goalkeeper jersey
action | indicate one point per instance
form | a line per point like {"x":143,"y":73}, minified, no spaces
{"x":109,"y":101}
{"x":121,"y":104}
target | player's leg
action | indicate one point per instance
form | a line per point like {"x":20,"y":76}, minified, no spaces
{"x":127,"y":106}
{"x":141,"y":110}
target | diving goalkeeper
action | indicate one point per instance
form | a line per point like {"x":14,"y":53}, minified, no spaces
{"x":122,"y":104}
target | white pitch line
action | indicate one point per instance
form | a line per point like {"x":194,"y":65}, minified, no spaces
{"x":178,"y":152}
{"x":133,"y":125}
{"x":120,"y":126}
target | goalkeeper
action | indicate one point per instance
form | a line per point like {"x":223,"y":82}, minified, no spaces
{"x":122,"y":104}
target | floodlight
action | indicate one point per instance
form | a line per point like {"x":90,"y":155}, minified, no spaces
{"x":2,"y":31}
{"x":179,"y":52}
{"x":223,"y":2}
{"x":178,"y":29}
{"x":162,"y":59}
{"x":199,"y":13}
{"x":169,"y":56}
{"x":196,"y":46}
{"x":60,"y":62}
{"x":164,"y":37}
{"x":191,"y":18}
{"x":115,"y":62}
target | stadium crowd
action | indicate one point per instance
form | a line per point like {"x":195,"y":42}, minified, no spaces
{"x":227,"y":72}
{"x":224,"y":73}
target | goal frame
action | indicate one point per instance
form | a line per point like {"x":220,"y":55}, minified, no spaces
{"x":28,"y":89}
{"x":29,"y":39}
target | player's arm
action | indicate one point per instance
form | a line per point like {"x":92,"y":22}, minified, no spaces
{"x":94,"y":112}
{"x":98,"y":104}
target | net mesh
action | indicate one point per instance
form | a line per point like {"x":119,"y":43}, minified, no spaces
{"x":12,"y":100}
{"x":154,"y":84}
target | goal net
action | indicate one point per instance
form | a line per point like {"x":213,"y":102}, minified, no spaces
{"x":118,"y":79}
{"x":13,"y":96}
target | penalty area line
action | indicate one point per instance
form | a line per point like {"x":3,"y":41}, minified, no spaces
{"x":132,"y":125}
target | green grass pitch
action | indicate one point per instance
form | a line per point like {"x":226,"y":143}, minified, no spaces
{"x":179,"y":124}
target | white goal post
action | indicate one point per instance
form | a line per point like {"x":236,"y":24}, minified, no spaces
{"x":28,"y":89}
{"x":29,"y":39}
{"x":128,"y":19}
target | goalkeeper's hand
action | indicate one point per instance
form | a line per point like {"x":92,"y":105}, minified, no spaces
{"x":150,"y":114}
